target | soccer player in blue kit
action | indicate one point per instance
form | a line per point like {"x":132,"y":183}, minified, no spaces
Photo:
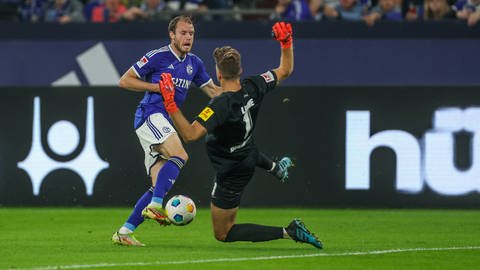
{"x":164,"y":153}
{"x":228,"y":123}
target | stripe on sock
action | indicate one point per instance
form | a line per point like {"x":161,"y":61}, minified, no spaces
{"x":178,"y":161}
{"x":157,"y":200}
{"x":129,"y":226}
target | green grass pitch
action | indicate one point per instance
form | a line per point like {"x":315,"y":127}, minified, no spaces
{"x":79,"y":238}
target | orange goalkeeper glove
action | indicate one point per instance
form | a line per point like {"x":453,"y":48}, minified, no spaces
{"x":283,"y":33}
{"x":167,"y":89}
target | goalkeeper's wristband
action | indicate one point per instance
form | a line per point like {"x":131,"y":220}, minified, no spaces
{"x":287,"y":44}
{"x":171,"y":107}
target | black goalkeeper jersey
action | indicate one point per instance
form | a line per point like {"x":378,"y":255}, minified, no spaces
{"x":230,"y":120}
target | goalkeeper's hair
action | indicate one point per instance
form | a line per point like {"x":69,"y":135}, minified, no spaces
{"x":228,"y":61}
{"x":172,"y":25}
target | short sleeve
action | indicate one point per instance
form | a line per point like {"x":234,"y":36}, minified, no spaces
{"x":201,"y":78}
{"x":144,"y":66}
{"x":265,"y":82}
{"x":214,"y":114}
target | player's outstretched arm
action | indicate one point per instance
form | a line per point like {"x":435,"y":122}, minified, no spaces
{"x":130,"y":81}
{"x":188,"y":132}
{"x":283,"y":33}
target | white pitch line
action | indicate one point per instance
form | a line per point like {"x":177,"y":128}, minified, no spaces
{"x":265,"y":258}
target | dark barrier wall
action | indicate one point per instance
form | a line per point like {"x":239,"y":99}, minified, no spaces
{"x":355,"y":147}
{"x":326,"y":53}
{"x":447,"y":29}
{"x":318,"y":62}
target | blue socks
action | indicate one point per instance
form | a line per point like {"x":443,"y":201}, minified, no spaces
{"x":253,"y":233}
{"x":136,"y":218}
{"x":166,"y":178}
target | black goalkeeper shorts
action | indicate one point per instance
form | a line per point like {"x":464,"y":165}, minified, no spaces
{"x":229,"y":186}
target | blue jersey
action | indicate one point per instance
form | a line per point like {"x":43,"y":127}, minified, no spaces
{"x":184,"y":72}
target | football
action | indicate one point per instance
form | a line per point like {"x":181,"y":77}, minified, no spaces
{"x":180,"y":210}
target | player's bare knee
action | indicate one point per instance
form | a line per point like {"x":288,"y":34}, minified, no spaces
{"x":183,"y":156}
{"x":167,"y":152}
{"x":221,"y":231}
{"x":220,"y":236}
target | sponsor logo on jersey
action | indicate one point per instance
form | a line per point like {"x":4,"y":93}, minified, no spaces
{"x":189,"y":69}
{"x":142,"y":62}
{"x":206,"y":113}
{"x":171,"y":67}
{"x":268,"y":76}
{"x":182,"y":83}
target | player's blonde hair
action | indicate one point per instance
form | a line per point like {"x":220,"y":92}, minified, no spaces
{"x":228,"y":61}
{"x":172,"y":25}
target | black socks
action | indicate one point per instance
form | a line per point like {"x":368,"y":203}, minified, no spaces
{"x":253,"y":233}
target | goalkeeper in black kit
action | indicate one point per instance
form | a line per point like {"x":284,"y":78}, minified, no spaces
{"x":228,"y":122}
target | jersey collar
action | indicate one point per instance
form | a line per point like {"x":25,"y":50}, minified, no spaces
{"x":176,"y":56}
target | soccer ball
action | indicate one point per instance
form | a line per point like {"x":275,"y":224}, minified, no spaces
{"x":180,"y":210}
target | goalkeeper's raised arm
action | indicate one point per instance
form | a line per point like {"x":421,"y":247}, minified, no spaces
{"x":283,"y":33}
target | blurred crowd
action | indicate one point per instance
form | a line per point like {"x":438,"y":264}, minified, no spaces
{"x":112,"y":11}
{"x":372,"y":11}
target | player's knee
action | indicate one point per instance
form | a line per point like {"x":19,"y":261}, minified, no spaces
{"x":220,"y":236}
{"x":182,"y":155}
{"x":221,"y":232}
